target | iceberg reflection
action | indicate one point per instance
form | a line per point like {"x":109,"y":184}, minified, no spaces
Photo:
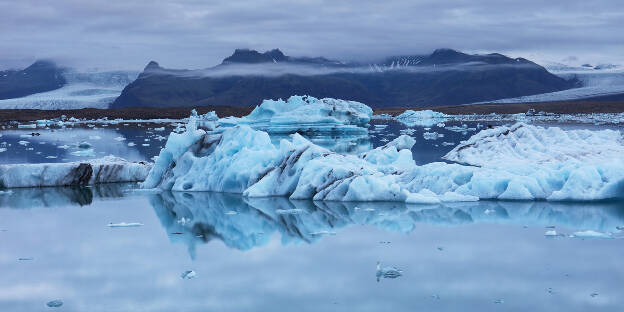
{"x":244,"y":223}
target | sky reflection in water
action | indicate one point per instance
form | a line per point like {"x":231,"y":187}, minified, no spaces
{"x":250,"y":257}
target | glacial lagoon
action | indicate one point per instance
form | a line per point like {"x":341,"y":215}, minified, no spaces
{"x":276,"y":254}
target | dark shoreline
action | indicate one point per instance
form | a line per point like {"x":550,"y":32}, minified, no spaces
{"x":564,"y":107}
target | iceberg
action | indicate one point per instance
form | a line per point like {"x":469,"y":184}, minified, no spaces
{"x":422,"y":118}
{"x":245,"y":161}
{"x":527,"y":144}
{"x":306,"y":114}
{"x":103,"y":170}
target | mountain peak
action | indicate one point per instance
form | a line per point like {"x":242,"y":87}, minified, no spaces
{"x":152,"y":65}
{"x":248,"y":56}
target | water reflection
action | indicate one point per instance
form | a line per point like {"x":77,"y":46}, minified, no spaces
{"x":23,"y":198}
{"x":245,"y":223}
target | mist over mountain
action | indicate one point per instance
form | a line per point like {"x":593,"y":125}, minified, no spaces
{"x":445,"y":77}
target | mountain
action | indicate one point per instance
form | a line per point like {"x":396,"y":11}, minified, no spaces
{"x":445,"y":77}
{"x":41,"y":76}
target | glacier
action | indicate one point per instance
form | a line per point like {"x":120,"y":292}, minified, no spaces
{"x":245,"y":161}
{"x":594,"y":83}
{"x":90,"y":89}
{"x":102,"y":170}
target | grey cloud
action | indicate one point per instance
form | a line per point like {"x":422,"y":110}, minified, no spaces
{"x":197,"y":34}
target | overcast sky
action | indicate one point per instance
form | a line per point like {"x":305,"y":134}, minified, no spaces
{"x":127,"y":34}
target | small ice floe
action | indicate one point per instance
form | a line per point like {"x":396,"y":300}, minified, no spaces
{"x":387,"y":272}
{"x":488,"y":211}
{"x":145,"y":144}
{"x":231,"y":212}
{"x":9,"y":192}
{"x":289,"y":211}
{"x":26,"y":259}
{"x":188,"y":274}
{"x":447,"y":143}
{"x":50,"y":157}
{"x":131,"y":144}
{"x":384,"y":140}
{"x":84,"y":145}
{"x":441,"y":125}
{"x":84,"y":153}
{"x":591,"y":234}
{"x":3,"y":149}
{"x":27,"y":126}
{"x":551,"y":233}
{"x":369,"y":209}
{"x":120,"y":138}
{"x":63,"y":146}
{"x":159,"y":129}
{"x":124,"y":224}
{"x":323,"y":232}
{"x":432,"y":135}
{"x":499,"y":301}
{"x":54,"y":303}
{"x":23,"y":143}
{"x":95,"y":137}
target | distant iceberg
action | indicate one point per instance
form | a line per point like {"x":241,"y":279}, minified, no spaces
{"x":306,"y":114}
{"x":243,"y":160}
{"x":422,"y":118}
{"x":103,"y":170}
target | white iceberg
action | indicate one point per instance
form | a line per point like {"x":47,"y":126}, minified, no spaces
{"x":103,"y":170}
{"x":306,"y":114}
{"x":527,"y":144}
{"x":244,"y":160}
{"x":422,"y":118}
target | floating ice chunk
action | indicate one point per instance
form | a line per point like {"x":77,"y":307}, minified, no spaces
{"x":84,"y":153}
{"x":528,"y":144}
{"x":27,"y":126}
{"x":3,"y":149}
{"x":131,"y":144}
{"x":591,"y":234}
{"x":551,"y":233}
{"x":119,"y":138}
{"x":159,"y":129}
{"x":306,"y":113}
{"x":63,"y":146}
{"x":387,"y":272}
{"x":499,"y":301}
{"x":188,"y":274}
{"x":103,"y":170}
{"x":84,"y":145}
{"x":432,"y":135}
{"x":231,"y":212}
{"x":95,"y":137}
{"x":124,"y":224}
{"x":423,"y":118}
{"x":54,"y":303}
{"x":24,"y":143}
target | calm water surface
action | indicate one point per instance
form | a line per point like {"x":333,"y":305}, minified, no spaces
{"x":249,"y":255}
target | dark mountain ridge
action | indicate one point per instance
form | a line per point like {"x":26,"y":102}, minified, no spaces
{"x":41,"y":76}
{"x":445,"y":77}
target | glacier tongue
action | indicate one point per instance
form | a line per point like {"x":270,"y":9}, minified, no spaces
{"x":243,"y":160}
{"x":103,"y":170}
